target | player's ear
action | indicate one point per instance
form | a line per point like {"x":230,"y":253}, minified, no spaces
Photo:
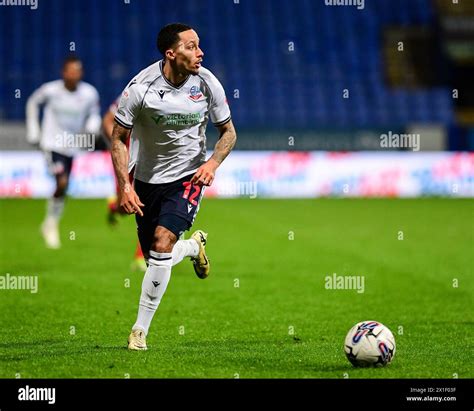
{"x":169,"y":54}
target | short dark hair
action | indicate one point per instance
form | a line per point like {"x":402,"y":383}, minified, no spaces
{"x":169,"y":35}
{"x":71,"y":59}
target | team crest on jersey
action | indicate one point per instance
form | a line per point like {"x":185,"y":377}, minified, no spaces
{"x":195,"y":93}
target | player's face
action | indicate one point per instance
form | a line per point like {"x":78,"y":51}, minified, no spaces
{"x":72,"y":74}
{"x":188,"y":55}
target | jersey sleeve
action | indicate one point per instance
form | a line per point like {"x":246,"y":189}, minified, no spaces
{"x":219,"y":109}
{"x":129,"y":105}
{"x":114,"y":106}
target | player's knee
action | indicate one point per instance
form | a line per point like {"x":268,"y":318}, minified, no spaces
{"x":60,"y":192}
{"x":61,"y":186}
{"x":163,"y":241}
{"x":162,"y":245}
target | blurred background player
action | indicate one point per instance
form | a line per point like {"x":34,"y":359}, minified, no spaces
{"x":71,"y":108}
{"x":113,"y":205}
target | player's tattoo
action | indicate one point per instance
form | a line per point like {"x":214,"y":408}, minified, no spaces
{"x":120,"y":155}
{"x":226,"y":142}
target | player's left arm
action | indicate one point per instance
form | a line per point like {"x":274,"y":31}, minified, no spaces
{"x":227,"y":138}
{"x":33,"y":128}
{"x":93,"y":120}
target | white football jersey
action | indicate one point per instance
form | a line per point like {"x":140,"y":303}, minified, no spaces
{"x":170,"y":122}
{"x":66,"y":115}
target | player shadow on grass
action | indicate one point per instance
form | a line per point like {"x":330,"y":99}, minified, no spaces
{"x":243,"y":353}
{"x":20,"y":344}
{"x":54,"y":347}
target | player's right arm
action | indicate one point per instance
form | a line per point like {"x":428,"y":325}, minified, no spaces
{"x":108,"y":120}
{"x":32,"y":114}
{"x":129,"y":200}
{"x":126,"y":115}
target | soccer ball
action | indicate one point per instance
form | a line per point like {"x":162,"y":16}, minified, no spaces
{"x":369,"y":343}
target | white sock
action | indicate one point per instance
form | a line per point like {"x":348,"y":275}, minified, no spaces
{"x":154,"y":285}
{"x":55,"y":208}
{"x":184,"y":248}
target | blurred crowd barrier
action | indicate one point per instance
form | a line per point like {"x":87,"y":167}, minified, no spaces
{"x":274,"y":174}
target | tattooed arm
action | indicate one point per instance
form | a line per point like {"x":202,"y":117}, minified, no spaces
{"x":227,"y":138}
{"x":129,"y":200}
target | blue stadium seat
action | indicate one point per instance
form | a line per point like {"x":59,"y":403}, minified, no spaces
{"x":248,"y":45}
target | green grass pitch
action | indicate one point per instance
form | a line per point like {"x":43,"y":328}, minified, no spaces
{"x":264,"y":312}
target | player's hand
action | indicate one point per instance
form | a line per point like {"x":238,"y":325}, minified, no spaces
{"x":204,"y":175}
{"x":33,"y":141}
{"x":129,"y":201}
